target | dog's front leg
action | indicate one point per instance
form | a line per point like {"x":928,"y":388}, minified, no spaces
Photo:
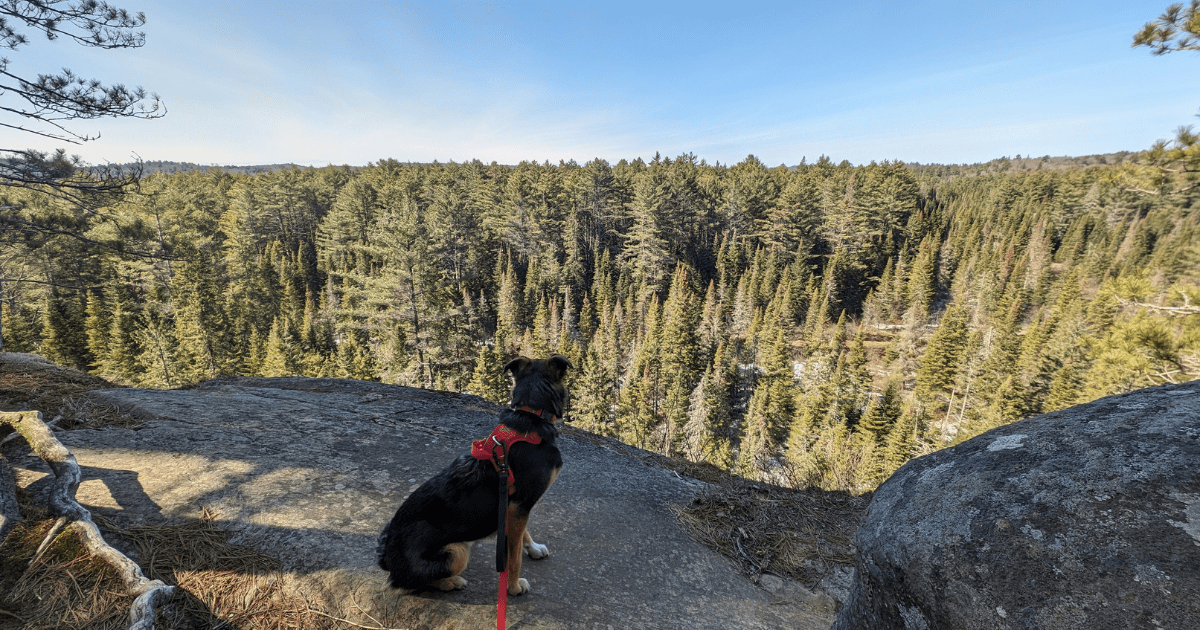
{"x":536,"y":551}
{"x":514,"y":530}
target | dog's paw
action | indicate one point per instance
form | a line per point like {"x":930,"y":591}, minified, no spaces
{"x":537,"y":551}
{"x":452,"y":583}
{"x":519,"y":587}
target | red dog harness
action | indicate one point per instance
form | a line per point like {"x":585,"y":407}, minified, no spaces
{"x":505,"y":437}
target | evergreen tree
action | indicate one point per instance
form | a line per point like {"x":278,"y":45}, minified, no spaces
{"x":354,"y":358}
{"x":97,"y":326}
{"x":770,"y":408}
{"x":901,"y":442}
{"x":710,"y":414}
{"x":882,"y":413}
{"x":678,"y":354}
{"x":943,"y":355}
{"x":63,"y":338}
{"x":594,"y":399}
{"x":19,"y":324}
{"x":120,"y":360}
{"x":488,"y":380}
{"x":280,"y":356}
{"x":156,"y":361}
{"x":922,"y":283}
{"x":508,"y":311}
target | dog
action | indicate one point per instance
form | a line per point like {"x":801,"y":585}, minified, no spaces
{"x":428,"y":542}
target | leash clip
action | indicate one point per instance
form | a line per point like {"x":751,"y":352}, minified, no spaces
{"x":501,"y":458}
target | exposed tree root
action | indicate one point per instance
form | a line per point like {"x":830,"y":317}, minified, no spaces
{"x":10,"y":512}
{"x":149,"y":593}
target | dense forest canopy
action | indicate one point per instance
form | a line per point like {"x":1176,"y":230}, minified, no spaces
{"x":815,"y":325}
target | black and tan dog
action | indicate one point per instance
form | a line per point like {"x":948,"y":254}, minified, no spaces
{"x":428,"y":541}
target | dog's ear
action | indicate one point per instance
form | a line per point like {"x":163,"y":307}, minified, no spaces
{"x":516,"y":365}
{"x":559,"y":364}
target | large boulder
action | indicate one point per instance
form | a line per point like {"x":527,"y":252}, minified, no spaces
{"x":1083,"y":518}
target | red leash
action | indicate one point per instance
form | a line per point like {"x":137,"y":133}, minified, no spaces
{"x":501,"y":460}
{"x":502,"y":603}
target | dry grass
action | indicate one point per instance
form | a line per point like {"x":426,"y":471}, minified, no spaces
{"x":797,"y":534}
{"x":219,"y":585}
{"x":66,"y":588}
{"x":58,"y":393}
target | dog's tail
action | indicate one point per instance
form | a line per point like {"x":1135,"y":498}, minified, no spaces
{"x":407,"y":569}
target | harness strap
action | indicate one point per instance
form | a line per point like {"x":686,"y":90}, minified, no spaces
{"x":503,"y":434}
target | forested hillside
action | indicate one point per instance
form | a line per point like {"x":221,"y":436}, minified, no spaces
{"x":816,"y":325}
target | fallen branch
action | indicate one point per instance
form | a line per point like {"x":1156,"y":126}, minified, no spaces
{"x":738,"y":541}
{"x":1186,"y":309}
{"x":149,"y":593}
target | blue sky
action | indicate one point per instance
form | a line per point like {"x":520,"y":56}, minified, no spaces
{"x":356,"y":82}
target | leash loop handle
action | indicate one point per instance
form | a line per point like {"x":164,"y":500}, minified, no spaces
{"x":500,"y":457}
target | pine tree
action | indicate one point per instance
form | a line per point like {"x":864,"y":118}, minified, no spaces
{"x":901,"y":441}
{"x":1065,"y":388}
{"x":588,"y":320}
{"x":64,"y":341}
{"x":637,"y":414}
{"x":756,"y":446}
{"x":595,"y":397}
{"x":882,"y":413}
{"x":97,"y":326}
{"x":256,"y":355}
{"x":354,"y":358}
{"x":710,"y":414}
{"x":838,"y":341}
{"x":943,"y":355}
{"x":771,"y":407}
{"x":280,"y":357}
{"x":200,"y":350}
{"x":678,"y":354}
{"x":19,"y":324}
{"x":922,"y":283}
{"x":641,"y":398}
{"x":156,"y":362}
{"x":508,"y":312}
{"x":540,"y":339}
{"x":488,"y":380}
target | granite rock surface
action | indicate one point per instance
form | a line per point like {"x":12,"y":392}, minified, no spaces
{"x":309,"y":471}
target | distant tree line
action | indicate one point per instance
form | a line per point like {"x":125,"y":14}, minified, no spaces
{"x":811,"y":326}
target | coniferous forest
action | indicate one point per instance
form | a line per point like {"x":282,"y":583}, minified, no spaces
{"x":817,"y":325}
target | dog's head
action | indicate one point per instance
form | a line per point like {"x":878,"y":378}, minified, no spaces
{"x":539,"y":383}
